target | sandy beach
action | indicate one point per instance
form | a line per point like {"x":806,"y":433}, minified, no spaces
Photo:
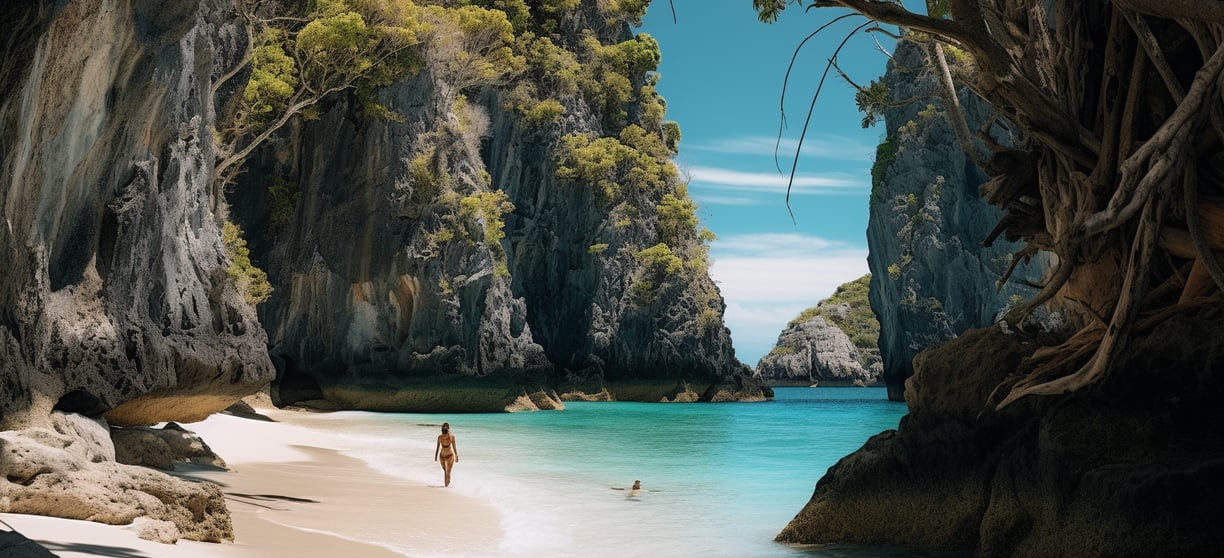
{"x":291,"y":493}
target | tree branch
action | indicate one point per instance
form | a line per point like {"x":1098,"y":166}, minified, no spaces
{"x":1158,"y":152}
{"x":953,"y":110}
{"x":1211,"y":11}
{"x":896,"y":14}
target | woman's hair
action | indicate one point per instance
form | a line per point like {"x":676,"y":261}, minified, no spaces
{"x":445,"y":427}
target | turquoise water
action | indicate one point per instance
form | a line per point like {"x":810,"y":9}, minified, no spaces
{"x":719,"y":479}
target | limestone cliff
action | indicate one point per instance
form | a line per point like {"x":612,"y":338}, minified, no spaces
{"x":832,"y":343}
{"x":931,"y":277}
{"x":394,"y":287}
{"x":114,"y":299}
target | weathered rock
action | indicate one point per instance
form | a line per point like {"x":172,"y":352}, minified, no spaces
{"x":161,"y":448}
{"x":114,"y":297}
{"x":383,"y":282}
{"x":1129,"y":468}
{"x":70,"y":472}
{"x":815,"y":352}
{"x":832,"y":343}
{"x":539,"y":400}
{"x":931,"y":278}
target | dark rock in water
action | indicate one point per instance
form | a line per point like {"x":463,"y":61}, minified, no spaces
{"x":113,"y":299}
{"x":1131,"y":467}
{"x":931,"y":278}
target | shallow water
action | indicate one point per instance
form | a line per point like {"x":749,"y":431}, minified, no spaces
{"x":719,"y":479}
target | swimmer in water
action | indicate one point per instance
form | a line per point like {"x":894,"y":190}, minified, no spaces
{"x":631,"y":491}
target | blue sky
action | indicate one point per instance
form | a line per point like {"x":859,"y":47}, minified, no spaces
{"x":722,"y":74}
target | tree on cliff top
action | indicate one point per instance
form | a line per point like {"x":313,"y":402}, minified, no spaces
{"x":1121,"y":166}
{"x":298,"y":60}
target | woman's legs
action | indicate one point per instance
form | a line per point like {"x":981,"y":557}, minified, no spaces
{"x":447,"y":463}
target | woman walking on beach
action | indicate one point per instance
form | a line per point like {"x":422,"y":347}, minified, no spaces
{"x":447,"y":449}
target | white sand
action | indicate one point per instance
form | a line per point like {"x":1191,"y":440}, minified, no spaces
{"x":292,"y":495}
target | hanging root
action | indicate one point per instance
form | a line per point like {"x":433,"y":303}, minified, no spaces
{"x":1134,"y":286}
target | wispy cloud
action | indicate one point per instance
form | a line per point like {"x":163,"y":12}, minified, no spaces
{"x":772,"y":182}
{"x":768,"y":278}
{"x":822,"y":147}
{"x":704,"y":198}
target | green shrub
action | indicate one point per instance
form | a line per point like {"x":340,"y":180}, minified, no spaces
{"x":659,"y":258}
{"x":677,"y":216}
{"x":547,"y":111}
{"x":780,"y":350}
{"x":886,"y":153}
{"x":709,"y":320}
{"x":251,"y":281}
{"x":282,"y":202}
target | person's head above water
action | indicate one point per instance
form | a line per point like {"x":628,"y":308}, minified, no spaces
{"x":445,"y":427}
{"x":637,"y":485}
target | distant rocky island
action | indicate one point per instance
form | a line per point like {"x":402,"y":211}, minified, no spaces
{"x":831,"y":344}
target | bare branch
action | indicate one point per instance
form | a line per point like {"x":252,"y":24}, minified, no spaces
{"x":1159,"y":152}
{"x":1211,"y":11}
{"x":808,"y":121}
{"x":953,"y":110}
{"x":786,"y":83}
{"x":1194,"y":222}
{"x":896,"y":14}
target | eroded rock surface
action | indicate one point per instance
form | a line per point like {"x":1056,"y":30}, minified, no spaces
{"x":114,"y":298}
{"x":1129,"y":468}
{"x":69,"y":470}
{"x":931,"y":277}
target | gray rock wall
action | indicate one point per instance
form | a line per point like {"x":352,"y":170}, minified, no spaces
{"x":817,"y":352}
{"x":931,"y":278}
{"x":387,"y":296}
{"x":113,"y":299}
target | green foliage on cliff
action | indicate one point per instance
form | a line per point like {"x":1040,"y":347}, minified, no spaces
{"x":677,"y":216}
{"x":469,"y":46}
{"x":629,"y":11}
{"x":886,"y":153}
{"x":872,"y":101}
{"x":709,"y":320}
{"x":251,"y":281}
{"x":859,"y":323}
{"x":282,"y":202}
{"x":301,"y":57}
{"x":780,"y":350}
{"x":659,"y":258}
{"x":637,"y":160}
{"x":488,"y":209}
{"x":545,"y":112}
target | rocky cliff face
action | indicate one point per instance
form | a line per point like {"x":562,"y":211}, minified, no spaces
{"x":1131,"y":468}
{"x":832,"y":343}
{"x":394,"y":289}
{"x":114,"y":300}
{"x":931,"y":278}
